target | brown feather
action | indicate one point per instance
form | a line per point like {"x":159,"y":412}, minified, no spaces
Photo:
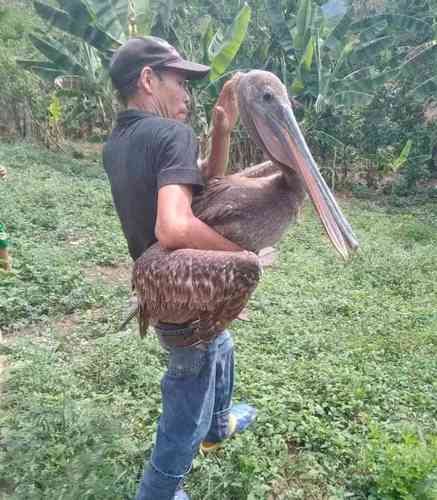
{"x":252,"y":208}
{"x":189,"y":285}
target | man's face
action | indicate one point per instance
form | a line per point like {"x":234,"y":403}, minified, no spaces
{"x":171,"y":96}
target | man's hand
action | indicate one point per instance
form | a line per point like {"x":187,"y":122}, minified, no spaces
{"x":225,"y":112}
{"x":224,"y":118}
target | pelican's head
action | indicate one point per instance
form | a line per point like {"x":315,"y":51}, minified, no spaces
{"x":266,"y":112}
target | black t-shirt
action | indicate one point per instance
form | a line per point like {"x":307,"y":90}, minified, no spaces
{"x":144,"y":153}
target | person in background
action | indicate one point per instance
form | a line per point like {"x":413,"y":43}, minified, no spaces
{"x":151,"y":159}
{"x":5,"y":258}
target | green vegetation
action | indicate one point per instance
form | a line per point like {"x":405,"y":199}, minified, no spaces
{"x":344,"y":60}
{"x":340,"y":360}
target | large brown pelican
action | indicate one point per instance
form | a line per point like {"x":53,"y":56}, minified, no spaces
{"x":251,"y":208}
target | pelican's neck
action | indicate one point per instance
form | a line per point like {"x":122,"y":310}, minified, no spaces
{"x":292,"y":180}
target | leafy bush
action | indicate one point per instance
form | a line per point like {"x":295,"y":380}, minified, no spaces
{"x":404,"y":468}
{"x":332,"y":354}
{"x":23,"y":99}
{"x":362,"y":146}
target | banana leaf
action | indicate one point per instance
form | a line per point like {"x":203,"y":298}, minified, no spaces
{"x":396,"y":22}
{"x":144,"y":16}
{"x":369,"y":51}
{"x":111,"y":15}
{"x":89,"y":32}
{"x":327,"y":75}
{"x":164,"y":9}
{"x":402,"y":158}
{"x":297,"y":86}
{"x":80,"y":12}
{"x":308,"y":56}
{"x":206,"y":36}
{"x":215,"y":44}
{"x":44,"y":69}
{"x":304,"y":66}
{"x":280,"y":29}
{"x":162,"y":24}
{"x":74,"y":21}
{"x":303,"y":24}
{"x":340,"y":30}
{"x":365,"y":81}
{"x":57,"y":54}
{"x":227,"y":50}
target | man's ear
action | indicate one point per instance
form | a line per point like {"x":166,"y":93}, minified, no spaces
{"x":145,"y":80}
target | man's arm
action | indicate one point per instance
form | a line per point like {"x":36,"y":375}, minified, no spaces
{"x":177,"y":226}
{"x":224,"y":118}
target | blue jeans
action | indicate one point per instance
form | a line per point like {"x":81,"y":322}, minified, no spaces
{"x":196,"y":398}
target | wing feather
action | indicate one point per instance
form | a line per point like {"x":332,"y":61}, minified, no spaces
{"x":187,"y":285}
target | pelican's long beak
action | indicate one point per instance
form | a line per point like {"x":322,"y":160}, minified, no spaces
{"x":284,"y":141}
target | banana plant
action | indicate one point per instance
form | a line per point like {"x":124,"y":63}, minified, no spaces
{"x":334,"y":58}
{"x":103,"y":25}
{"x":100,"y":27}
{"x":80,"y":75}
{"x":425,"y":88}
{"x":77,"y":18}
{"x":220,"y":49}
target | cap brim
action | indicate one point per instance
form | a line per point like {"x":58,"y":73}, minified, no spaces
{"x":193,"y":71}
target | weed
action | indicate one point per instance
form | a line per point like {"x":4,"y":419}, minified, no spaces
{"x":339,"y":359}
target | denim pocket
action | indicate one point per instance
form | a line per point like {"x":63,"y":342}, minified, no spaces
{"x":185,"y":362}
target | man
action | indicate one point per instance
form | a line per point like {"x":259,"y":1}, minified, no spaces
{"x":151,"y":160}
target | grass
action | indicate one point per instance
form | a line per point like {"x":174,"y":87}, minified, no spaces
{"x":340,"y":360}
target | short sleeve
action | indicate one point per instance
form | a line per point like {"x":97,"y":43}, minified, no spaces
{"x":177,"y":162}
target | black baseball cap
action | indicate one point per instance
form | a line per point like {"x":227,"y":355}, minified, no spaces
{"x":129,"y":60}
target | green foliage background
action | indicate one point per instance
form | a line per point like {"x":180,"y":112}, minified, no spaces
{"x":18,"y":87}
{"x":340,"y":360}
{"x":385,"y":50}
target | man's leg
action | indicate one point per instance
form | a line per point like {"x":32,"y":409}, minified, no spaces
{"x":188,"y":390}
{"x":224,"y":388}
{"x":227,"y":418}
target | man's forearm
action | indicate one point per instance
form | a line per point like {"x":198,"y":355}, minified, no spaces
{"x":217,"y":162}
{"x":203,"y":237}
{"x":224,"y":119}
{"x":196,"y":234}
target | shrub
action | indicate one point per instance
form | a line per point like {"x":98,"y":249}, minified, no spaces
{"x":404,"y":468}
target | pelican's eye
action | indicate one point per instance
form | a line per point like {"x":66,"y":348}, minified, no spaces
{"x":267,"y":96}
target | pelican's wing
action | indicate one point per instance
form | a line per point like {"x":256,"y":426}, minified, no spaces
{"x":261,"y":170}
{"x":187,"y":285}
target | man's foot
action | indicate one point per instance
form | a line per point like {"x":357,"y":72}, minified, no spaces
{"x":181,"y":495}
{"x":240,"y":417}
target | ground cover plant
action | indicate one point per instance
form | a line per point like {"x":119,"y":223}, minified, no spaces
{"x":340,"y":360}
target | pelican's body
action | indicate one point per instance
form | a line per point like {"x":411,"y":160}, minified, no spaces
{"x":252,"y":208}
{"x":251,"y":211}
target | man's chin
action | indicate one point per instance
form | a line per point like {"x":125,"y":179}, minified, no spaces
{"x":182,"y":116}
